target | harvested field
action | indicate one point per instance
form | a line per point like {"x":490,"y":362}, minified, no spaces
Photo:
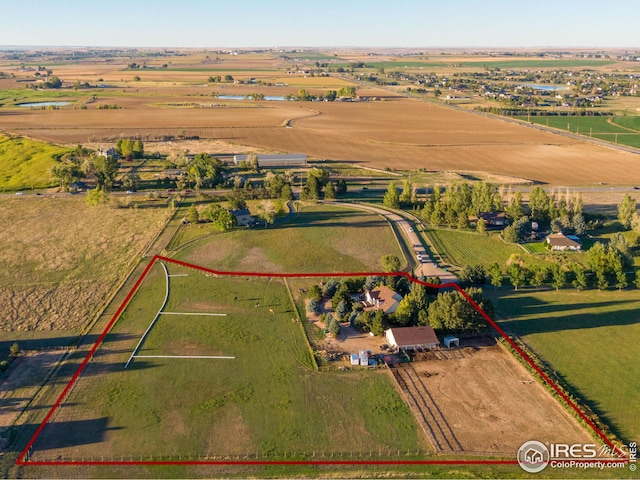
{"x":400,"y":133}
{"x":483,"y":402}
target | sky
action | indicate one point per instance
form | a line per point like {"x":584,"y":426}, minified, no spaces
{"x":304,"y":23}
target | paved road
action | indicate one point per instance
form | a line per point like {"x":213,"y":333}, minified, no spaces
{"x":426,"y":267}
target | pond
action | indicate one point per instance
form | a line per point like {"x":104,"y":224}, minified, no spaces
{"x":44,"y":104}
{"x":547,"y":88}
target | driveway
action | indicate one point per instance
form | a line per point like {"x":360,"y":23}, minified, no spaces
{"x":426,"y":266}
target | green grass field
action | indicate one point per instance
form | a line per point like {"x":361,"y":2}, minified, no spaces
{"x":26,"y":163}
{"x":466,"y":248}
{"x":268,"y":400}
{"x":590,"y":338}
{"x":616,"y":131}
{"x":320,"y":238}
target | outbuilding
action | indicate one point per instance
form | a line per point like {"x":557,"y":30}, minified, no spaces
{"x":451,"y":340}
{"x":412,"y":338}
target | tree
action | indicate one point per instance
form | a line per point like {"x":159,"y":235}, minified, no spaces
{"x":452,"y":312}
{"x":333,"y":326}
{"x":538,"y":276}
{"x":621,"y":279}
{"x":347,"y":91}
{"x":626,"y":208}
{"x":559,"y":278}
{"x":192,"y":214}
{"x":222,"y":218}
{"x":137,"y":149}
{"x":377,"y":323}
{"x":341,"y":186}
{"x":580,"y":281}
{"x":406,"y":194}
{"x":517,"y":232}
{"x":637,"y":279}
{"x":65,"y":173}
{"x":481,"y":226}
{"x":313,"y":306}
{"x":390,"y":263}
{"x":517,"y":274}
{"x":391,"y":197}
{"x":329,"y":191}
{"x":341,"y":295}
{"x":539,"y":204}
{"x":578,"y":224}
{"x":515,"y":210}
{"x":314,"y":293}
{"x":105,"y":169}
{"x":343,"y":309}
{"x":286,"y":193}
{"x":131,"y":180}
{"x":496,"y":275}
{"x":14,"y":350}
{"x":330,"y":288}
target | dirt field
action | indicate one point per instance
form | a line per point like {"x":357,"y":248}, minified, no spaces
{"x":402,"y":134}
{"x":482,"y":401}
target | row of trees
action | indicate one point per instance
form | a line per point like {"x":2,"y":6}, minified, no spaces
{"x":318,"y":185}
{"x":456,"y":203}
{"x":606,"y":266}
{"x":329,"y":96}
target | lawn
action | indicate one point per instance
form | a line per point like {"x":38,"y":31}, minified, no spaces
{"x":268,"y":400}
{"x":319,"y":238}
{"x":632,"y":123}
{"x":590,"y":338}
{"x":26,"y":164}
{"x":465,"y":248}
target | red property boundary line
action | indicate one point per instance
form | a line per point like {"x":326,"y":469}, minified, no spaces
{"x":21,"y":458}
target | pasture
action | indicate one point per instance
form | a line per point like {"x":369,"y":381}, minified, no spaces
{"x":61,"y":258}
{"x":265,"y":402}
{"x":318,"y":238}
{"x":465,"y":248}
{"x":590,"y":338}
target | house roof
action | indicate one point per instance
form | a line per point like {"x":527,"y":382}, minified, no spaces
{"x":560,"y":240}
{"x":240,"y":212}
{"x":409,"y":336}
{"x":385,"y":296}
{"x":493,"y":216}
